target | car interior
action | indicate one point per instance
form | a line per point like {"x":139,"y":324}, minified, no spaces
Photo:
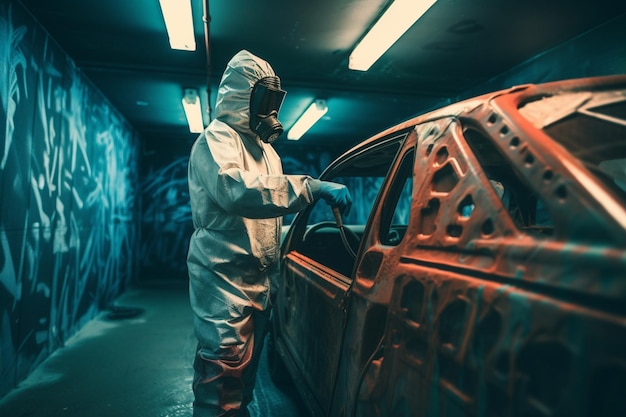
{"x":322,"y":241}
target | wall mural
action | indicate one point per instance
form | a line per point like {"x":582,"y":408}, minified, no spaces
{"x":166,"y":220}
{"x":68,"y":198}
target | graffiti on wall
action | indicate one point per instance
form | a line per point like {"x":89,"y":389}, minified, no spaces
{"x":166,"y":221}
{"x":68,"y":212}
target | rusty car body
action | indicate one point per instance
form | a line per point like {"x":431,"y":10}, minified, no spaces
{"x":489,"y":276}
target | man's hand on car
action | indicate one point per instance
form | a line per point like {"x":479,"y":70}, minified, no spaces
{"x":336,"y":195}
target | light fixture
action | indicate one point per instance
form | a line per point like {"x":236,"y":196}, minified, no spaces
{"x":312,"y":114}
{"x":396,"y":20}
{"x":179,"y":24}
{"x":193,"y":110}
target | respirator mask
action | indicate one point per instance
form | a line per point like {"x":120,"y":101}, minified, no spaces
{"x":265,"y":101}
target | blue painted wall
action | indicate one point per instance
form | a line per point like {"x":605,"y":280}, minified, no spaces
{"x":601,"y":51}
{"x":166,"y":214}
{"x":69,"y":212}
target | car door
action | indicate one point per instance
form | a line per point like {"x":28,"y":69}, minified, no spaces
{"x":375,"y":272}
{"x":316,"y":276}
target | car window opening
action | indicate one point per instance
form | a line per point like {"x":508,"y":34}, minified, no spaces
{"x":527,"y":210}
{"x":364,"y":176}
{"x":397,"y":206}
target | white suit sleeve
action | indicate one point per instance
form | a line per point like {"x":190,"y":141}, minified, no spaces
{"x":237,"y":181}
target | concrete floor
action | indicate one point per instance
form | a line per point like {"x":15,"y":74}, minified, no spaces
{"x":134,"y":367}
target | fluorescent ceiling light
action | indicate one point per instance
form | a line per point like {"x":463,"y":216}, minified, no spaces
{"x":396,"y":20}
{"x":179,"y":24}
{"x":315,"y":111}
{"x":193,"y":110}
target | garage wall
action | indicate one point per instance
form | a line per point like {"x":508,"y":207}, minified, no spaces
{"x":68,"y":197}
{"x":601,"y":51}
{"x":166,"y":215}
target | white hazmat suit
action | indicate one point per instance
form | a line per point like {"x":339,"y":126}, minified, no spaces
{"x":238,"y":194}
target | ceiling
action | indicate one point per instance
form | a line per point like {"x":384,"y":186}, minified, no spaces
{"x":122,"y":46}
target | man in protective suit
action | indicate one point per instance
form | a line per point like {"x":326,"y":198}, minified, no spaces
{"x":238,"y":196}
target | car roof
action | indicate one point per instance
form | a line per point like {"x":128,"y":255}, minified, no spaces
{"x":524,"y":92}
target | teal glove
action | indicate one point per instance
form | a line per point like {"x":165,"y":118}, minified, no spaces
{"x":335,"y":195}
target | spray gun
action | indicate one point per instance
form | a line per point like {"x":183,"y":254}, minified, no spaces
{"x":342,"y":231}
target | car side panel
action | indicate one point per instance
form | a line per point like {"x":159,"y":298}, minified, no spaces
{"x":313,"y":316}
{"x":461,"y":345}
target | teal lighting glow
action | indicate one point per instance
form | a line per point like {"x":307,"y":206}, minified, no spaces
{"x":396,"y":20}
{"x":179,"y":24}
{"x":311,"y":115}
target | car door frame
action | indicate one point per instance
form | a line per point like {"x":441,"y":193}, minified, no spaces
{"x":367,"y":313}
{"x":304,"y":282}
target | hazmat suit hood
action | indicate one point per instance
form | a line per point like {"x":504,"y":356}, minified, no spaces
{"x":232,"y":105}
